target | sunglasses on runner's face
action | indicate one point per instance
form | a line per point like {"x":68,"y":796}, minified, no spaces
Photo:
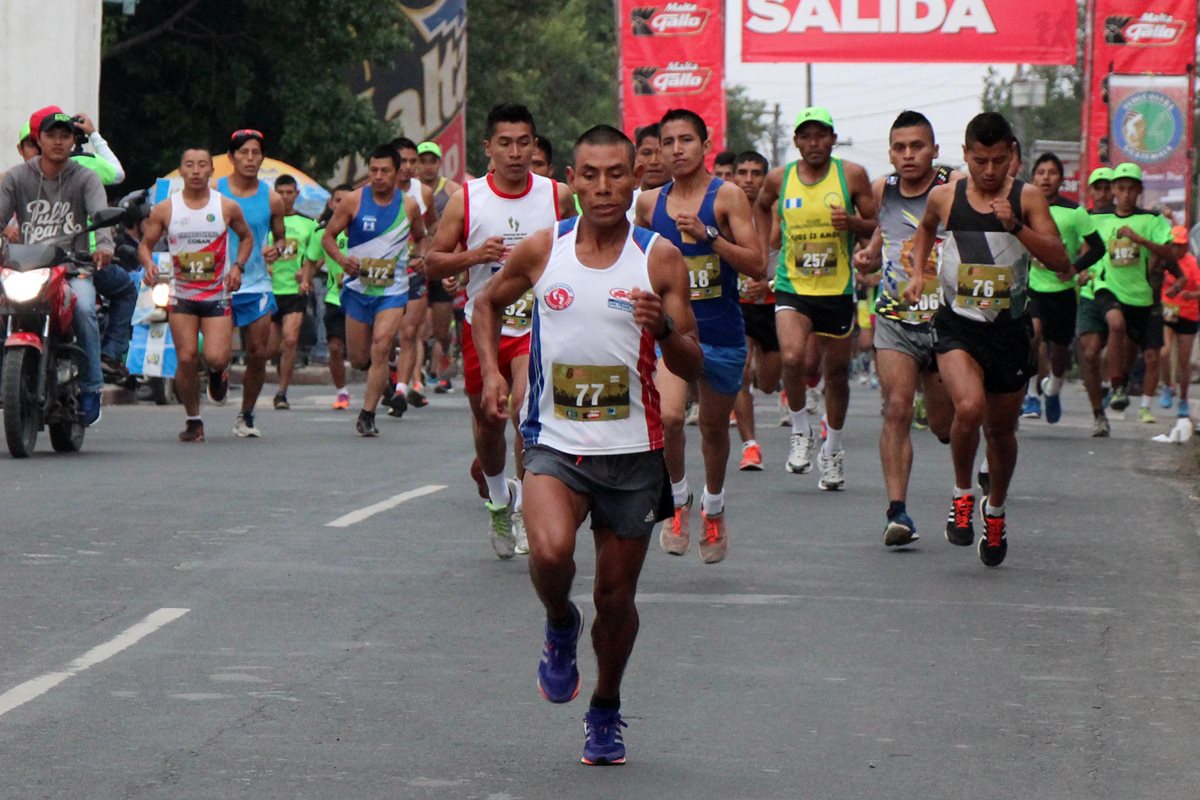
{"x":247,"y":132}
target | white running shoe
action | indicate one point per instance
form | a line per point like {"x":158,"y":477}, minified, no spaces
{"x":799,"y":461}
{"x":833,"y":472}
{"x":812,"y":401}
{"x":518,"y":529}
{"x":244,"y":427}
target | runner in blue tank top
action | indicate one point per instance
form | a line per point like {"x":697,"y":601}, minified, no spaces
{"x":380,"y":222}
{"x":253,"y":304}
{"x":710,"y":221}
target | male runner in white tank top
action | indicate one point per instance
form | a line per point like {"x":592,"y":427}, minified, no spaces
{"x":605,"y":294}
{"x":197,"y":221}
{"x":482,"y":223}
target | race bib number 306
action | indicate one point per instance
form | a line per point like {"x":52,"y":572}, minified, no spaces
{"x":590,"y":393}
{"x":984,"y":286}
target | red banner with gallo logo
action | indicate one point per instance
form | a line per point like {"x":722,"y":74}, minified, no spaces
{"x":1129,"y":116}
{"x":672,"y":55}
{"x":962,"y":31}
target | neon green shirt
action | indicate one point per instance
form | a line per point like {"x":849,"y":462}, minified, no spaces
{"x":299,"y":230}
{"x":1074,"y":225}
{"x":1125,"y":268}
{"x":316,"y":252}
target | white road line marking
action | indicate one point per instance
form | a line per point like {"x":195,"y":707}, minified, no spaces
{"x":22,"y":694}
{"x":346,"y":520}
{"x":792,"y":599}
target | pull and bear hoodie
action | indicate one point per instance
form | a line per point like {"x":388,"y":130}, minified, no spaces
{"x":55,"y":210}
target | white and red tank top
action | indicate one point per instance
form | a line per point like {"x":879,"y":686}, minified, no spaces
{"x":198,"y":240}
{"x":591,"y":366}
{"x":488,"y":212}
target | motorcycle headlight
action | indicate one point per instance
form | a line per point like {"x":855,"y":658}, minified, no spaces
{"x":21,"y":287}
{"x":161,"y":295}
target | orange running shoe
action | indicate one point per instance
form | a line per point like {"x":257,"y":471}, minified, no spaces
{"x":342,"y":402}
{"x":715,"y":542}
{"x":751,"y":458}
{"x":676,"y":534}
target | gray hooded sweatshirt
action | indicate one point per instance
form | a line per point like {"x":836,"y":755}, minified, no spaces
{"x":54,"y":210}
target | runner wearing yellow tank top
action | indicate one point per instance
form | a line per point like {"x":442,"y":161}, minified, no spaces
{"x":813,"y":210}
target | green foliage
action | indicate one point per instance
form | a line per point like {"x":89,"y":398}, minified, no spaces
{"x":748,"y":124}
{"x":1059,"y":119}
{"x":558,"y":58}
{"x":182,"y":72}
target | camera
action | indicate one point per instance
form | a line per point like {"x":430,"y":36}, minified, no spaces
{"x":80,"y":137}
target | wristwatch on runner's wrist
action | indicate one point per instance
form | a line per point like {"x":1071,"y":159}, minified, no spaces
{"x":712,"y":232}
{"x":668,"y":327}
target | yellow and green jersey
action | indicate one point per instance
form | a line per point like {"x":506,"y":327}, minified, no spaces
{"x":814,"y":257}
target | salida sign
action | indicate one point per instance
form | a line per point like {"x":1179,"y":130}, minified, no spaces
{"x":909,"y":30}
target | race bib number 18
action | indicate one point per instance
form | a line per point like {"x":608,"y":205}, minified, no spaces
{"x":704,"y":276}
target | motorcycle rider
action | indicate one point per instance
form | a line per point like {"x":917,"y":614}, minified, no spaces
{"x":53,"y":197}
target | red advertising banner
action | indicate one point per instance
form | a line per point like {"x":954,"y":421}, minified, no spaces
{"x":672,"y":55}
{"x":1131,"y":38}
{"x":962,"y":31}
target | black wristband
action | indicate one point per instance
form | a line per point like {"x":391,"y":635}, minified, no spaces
{"x":1017,"y":227}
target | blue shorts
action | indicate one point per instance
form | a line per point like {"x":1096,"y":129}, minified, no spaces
{"x":252,"y":306}
{"x":363,"y":307}
{"x":722,"y":367}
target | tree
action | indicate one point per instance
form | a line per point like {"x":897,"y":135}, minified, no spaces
{"x":182,"y":72}
{"x":558,"y":58}
{"x":748,"y":126}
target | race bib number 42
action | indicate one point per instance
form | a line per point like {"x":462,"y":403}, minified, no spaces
{"x":984,"y":286}
{"x":197,"y":267}
{"x":590,"y":393}
{"x":704,"y":276}
{"x":376,"y":273}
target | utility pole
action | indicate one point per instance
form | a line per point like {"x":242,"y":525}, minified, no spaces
{"x":808,"y":85}
{"x":776,"y":155}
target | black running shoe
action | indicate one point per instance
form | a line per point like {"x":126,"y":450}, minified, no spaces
{"x":993,"y":546}
{"x":192,"y":432}
{"x":960,"y":528}
{"x":397,"y":405}
{"x":366,"y":424}
{"x":281,"y":402}
{"x":416,"y":399}
{"x":218,"y":386}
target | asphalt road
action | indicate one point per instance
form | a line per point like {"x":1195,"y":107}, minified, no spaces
{"x":183,"y":622}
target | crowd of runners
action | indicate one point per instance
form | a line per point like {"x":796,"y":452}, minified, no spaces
{"x":595,"y":319}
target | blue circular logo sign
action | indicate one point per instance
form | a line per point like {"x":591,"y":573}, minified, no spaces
{"x":1148,"y":126}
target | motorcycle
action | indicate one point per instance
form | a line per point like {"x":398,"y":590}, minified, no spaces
{"x":42,"y":363}
{"x":151,"y":359}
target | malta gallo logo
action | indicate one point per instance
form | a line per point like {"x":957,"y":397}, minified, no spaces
{"x":676,"y":19}
{"x":1145,"y":31}
{"x":559,"y":296}
{"x":678,"y":77}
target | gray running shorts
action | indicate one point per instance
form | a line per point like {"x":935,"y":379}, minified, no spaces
{"x":915,"y":341}
{"x":628,"y":493}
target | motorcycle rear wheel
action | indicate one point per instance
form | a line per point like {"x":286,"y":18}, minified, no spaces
{"x":67,"y":437}
{"x":22,"y":414}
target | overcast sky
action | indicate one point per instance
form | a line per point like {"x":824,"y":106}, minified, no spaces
{"x":865,"y":98}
